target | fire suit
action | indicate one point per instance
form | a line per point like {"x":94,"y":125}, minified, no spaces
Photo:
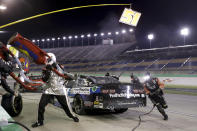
{"x":5,"y":69}
{"x":54,"y":88}
{"x":153,"y":88}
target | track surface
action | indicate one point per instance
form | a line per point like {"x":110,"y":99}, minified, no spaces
{"x":182,"y":113}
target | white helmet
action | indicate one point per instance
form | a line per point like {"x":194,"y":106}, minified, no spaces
{"x":52,"y":58}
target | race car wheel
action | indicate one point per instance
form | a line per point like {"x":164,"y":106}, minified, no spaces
{"x":13,"y":105}
{"x":122,"y":110}
{"x":79,"y":105}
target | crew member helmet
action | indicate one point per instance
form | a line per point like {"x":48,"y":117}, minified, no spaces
{"x":52,"y":58}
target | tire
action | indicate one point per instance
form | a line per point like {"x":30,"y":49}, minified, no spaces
{"x":13,"y":105}
{"x":122,"y":110}
{"x":79,"y":105}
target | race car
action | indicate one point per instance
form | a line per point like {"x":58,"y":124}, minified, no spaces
{"x":107,"y":92}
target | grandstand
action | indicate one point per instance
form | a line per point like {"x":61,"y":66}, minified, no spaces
{"x":102,"y":58}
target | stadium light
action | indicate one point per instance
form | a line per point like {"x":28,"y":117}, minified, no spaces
{"x":76,"y":37}
{"x":38,"y":40}
{"x":70,"y":37}
{"x":117,"y":33}
{"x":88,"y":35}
{"x":43,"y":40}
{"x":102,"y":34}
{"x":64,"y":38}
{"x":109,"y":33}
{"x":48,"y":39}
{"x":58,"y":38}
{"x":33,"y":40}
{"x":82,"y":36}
{"x":95,"y":35}
{"x":184,"y":32}
{"x":53,"y":39}
{"x":123,"y":31}
{"x":131,"y":30}
{"x":2,"y":7}
{"x":150,"y":37}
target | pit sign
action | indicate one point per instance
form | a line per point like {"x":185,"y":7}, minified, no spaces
{"x":130,"y":17}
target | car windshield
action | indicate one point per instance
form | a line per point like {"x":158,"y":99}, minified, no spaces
{"x":103,"y":80}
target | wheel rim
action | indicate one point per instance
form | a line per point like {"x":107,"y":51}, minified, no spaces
{"x":78,"y":105}
{"x":17,"y":104}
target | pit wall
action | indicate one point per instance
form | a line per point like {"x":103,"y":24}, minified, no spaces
{"x":172,"y":78}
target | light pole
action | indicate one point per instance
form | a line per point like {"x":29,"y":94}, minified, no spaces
{"x":150,"y":37}
{"x":76,"y":37}
{"x":82,"y":36}
{"x":48,"y":42}
{"x":184,"y":32}
{"x":53,"y":39}
{"x":117,"y":33}
{"x":123,"y":32}
{"x":88,"y":38}
{"x":64,"y":38}
{"x":70,"y":37}
{"x":58,"y":40}
{"x":95,"y":35}
{"x":38,"y":42}
{"x":43,"y":40}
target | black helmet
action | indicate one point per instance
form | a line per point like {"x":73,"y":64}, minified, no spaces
{"x":107,"y":74}
{"x":132,"y":75}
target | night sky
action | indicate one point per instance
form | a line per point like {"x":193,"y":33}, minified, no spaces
{"x":164,"y":18}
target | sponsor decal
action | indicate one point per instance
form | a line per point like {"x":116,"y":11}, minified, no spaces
{"x":111,"y":91}
{"x":132,"y":103}
{"x":83,"y":90}
{"x":100,"y":105}
{"x":88,"y":103}
{"x":130,"y":17}
{"x":138,"y":91}
{"x":95,"y":89}
{"x":128,"y":95}
{"x":96,"y":102}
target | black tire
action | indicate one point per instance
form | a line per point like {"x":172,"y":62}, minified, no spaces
{"x":13,"y":105}
{"x":79,"y":105}
{"x":122,"y":110}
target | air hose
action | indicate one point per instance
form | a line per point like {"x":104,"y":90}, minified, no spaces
{"x":14,"y":122}
{"x":141,"y":119}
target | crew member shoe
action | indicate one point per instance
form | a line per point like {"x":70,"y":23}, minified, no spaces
{"x":165,"y":117}
{"x":36,"y":124}
{"x":165,"y":106}
{"x":75,"y":119}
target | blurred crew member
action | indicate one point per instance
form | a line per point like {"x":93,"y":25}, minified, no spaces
{"x":6,"y":68}
{"x":153,"y":88}
{"x":134,"y":79}
{"x":107,"y":74}
{"x":54,"y":88}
